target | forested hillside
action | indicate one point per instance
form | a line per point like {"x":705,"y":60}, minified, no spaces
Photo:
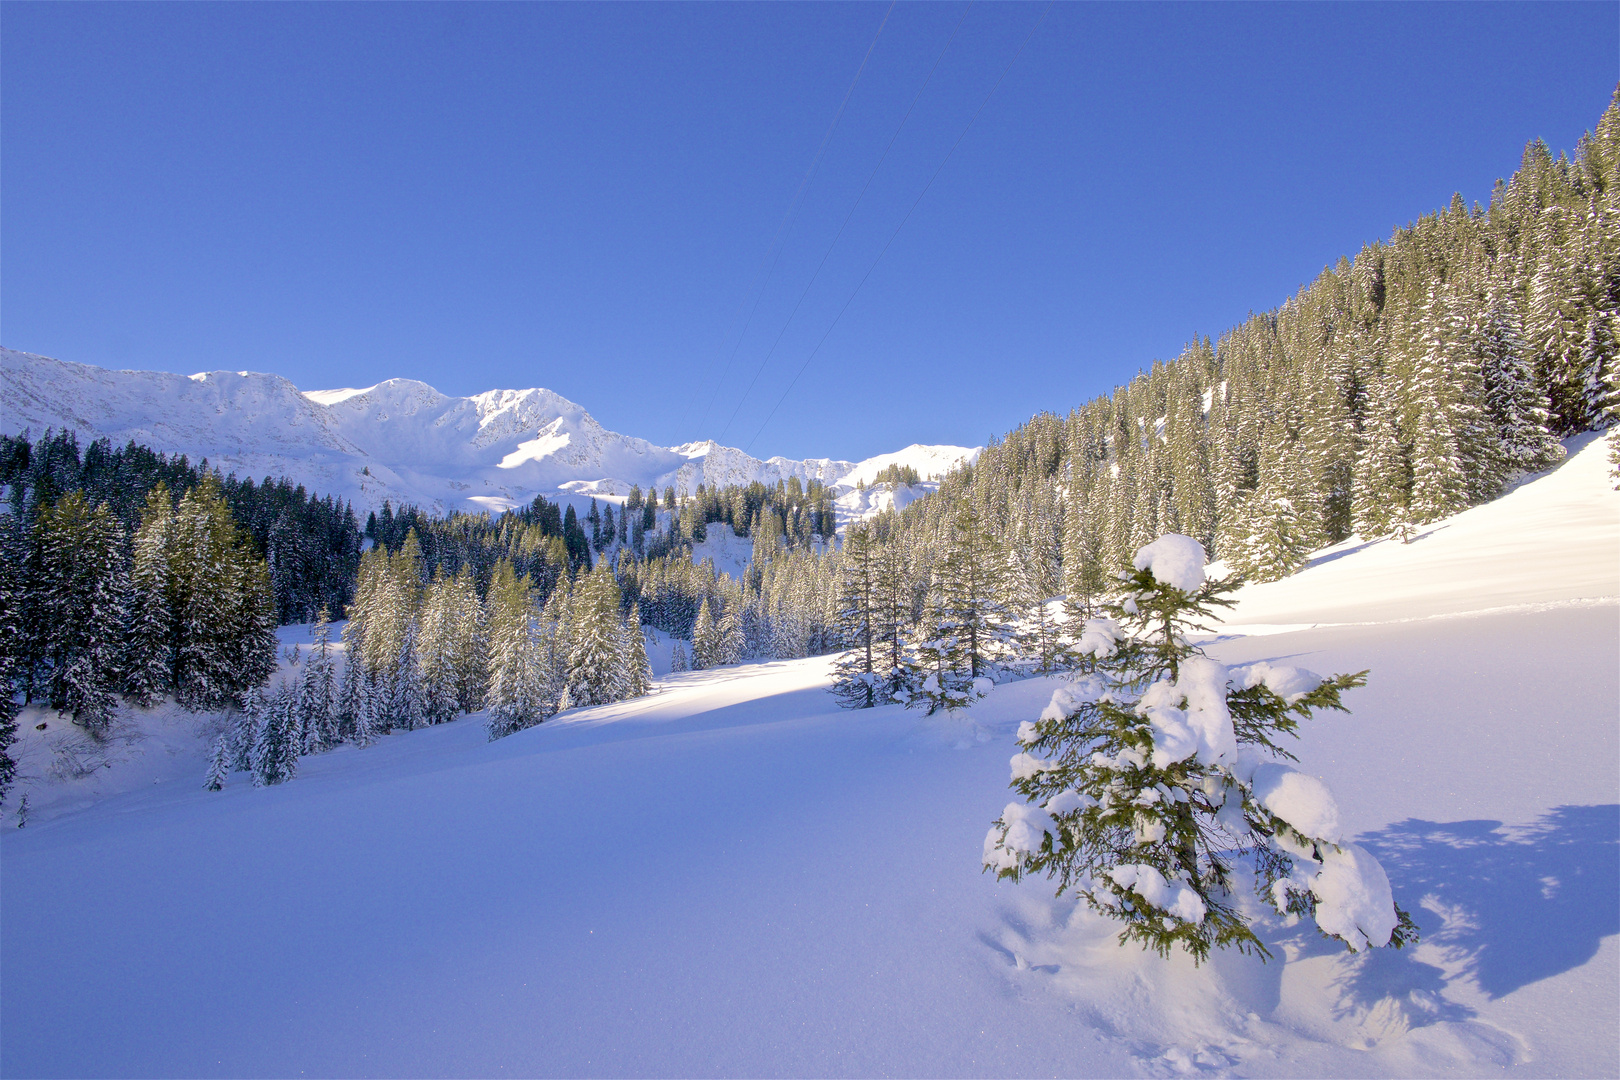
{"x":1399,"y":387}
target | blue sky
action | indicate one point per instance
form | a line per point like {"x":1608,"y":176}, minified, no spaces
{"x":593,"y":198}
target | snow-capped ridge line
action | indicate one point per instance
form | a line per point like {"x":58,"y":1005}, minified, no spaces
{"x":399,"y":439}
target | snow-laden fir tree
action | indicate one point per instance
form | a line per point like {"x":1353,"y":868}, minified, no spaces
{"x":1276,"y":544}
{"x":438,"y":651}
{"x":318,"y":691}
{"x":1037,"y":635}
{"x":1145,"y":783}
{"x":80,"y":596}
{"x":278,"y":736}
{"x":223,"y":609}
{"x":149,"y":659}
{"x":1383,"y":475}
{"x":633,"y":655}
{"x":219,"y":764}
{"x":353,"y":706}
{"x":468,"y":652}
{"x":596,"y":669}
{"x":728,"y":638}
{"x":677,"y":658}
{"x":10,"y":649}
{"x":966,"y":630}
{"x":704,"y":638}
{"x":1515,"y":404}
{"x":517,"y":697}
{"x":858,"y":679}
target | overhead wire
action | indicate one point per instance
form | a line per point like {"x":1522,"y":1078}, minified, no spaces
{"x":845,"y":224}
{"x":966,"y":128}
{"x":774,"y":251}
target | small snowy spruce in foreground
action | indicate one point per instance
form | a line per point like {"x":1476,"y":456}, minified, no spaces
{"x":1147,"y":781}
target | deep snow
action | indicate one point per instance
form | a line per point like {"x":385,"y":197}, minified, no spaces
{"x":735,"y":877}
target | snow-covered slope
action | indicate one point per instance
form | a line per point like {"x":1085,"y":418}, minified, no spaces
{"x":735,"y":877}
{"x":1553,"y":539}
{"x":399,"y":440}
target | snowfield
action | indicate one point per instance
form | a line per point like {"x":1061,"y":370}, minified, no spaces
{"x":400,"y":440}
{"x":734,"y":877}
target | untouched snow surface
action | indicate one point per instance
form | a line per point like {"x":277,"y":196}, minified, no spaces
{"x":734,"y":877}
{"x":400,"y":440}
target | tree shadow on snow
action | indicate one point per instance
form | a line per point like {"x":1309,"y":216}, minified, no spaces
{"x":1514,"y":905}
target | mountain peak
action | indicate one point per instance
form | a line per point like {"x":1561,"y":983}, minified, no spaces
{"x":400,"y":439}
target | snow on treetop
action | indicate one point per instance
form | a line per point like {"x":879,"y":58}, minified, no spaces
{"x":1176,"y":560}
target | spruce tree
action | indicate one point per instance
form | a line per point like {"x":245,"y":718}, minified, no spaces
{"x":703,"y":638}
{"x":966,"y":628}
{"x":10,"y":650}
{"x":728,"y":639}
{"x":149,"y":662}
{"x":437,"y":652}
{"x":278,"y":738}
{"x":1383,"y":475}
{"x":633,"y":654}
{"x":1145,"y":784}
{"x":318,"y":691}
{"x":1277,"y":543}
{"x":516,"y":696}
{"x":596,"y":670}
{"x":857,"y":681}
{"x":219,"y":764}
{"x":79,"y":596}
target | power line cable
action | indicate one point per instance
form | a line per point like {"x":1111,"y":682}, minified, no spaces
{"x":898,"y":227}
{"x":836,"y":236}
{"x":774,"y":251}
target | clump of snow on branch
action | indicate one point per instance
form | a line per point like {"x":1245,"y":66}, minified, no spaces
{"x":1174,"y":560}
{"x":1150,"y":885}
{"x":1189,"y":715}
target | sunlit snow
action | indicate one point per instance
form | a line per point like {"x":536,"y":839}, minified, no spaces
{"x":735,"y":877}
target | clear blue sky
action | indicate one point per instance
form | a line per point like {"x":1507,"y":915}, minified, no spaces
{"x":583,"y":197}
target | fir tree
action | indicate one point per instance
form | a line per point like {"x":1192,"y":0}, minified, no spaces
{"x":516,"y":695}
{"x":278,"y":737}
{"x":596,"y":669}
{"x":1277,"y":543}
{"x":703,"y":638}
{"x":857,"y":682}
{"x":1383,"y":476}
{"x":633,"y":656}
{"x":80,"y":596}
{"x":318,"y":691}
{"x":966,"y":627}
{"x":10,"y":649}
{"x":219,"y":764}
{"x":149,"y":663}
{"x":1137,"y":796}
{"x":439,"y":652}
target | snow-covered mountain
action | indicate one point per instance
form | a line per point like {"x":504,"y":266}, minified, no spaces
{"x":400,"y":440}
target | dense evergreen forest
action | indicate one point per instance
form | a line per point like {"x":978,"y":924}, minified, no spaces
{"x":1399,"y":387}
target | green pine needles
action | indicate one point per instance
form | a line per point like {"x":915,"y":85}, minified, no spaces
{"x":1148,"y":781}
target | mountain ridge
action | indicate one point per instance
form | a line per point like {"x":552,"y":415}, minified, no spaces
{"x":401,"y":439}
